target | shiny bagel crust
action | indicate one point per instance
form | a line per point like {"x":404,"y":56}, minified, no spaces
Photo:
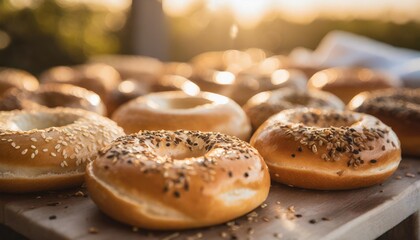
{"x":177,"y":179}
{"x":53,"y":95}
{"x":327,"y":149}
{"x":399,"y":109}
{"x":346,"y":83}
{"x":264,"y":105}
{"x":176,"y":110}
{"x":49,"y":148}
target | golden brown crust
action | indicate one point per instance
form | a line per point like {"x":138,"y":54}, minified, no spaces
{"x":53,"y":95}
{"x":264,"y":105}
{"x":16,"y":78}
{"x":397,"y":108}
{"x":301,"y":149}
{"x":49,"y":148}
{"x":154,"y":179}
{"x":177,"y":110}
{"x":346,"y":83}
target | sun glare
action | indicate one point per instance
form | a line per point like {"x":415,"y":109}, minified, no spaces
{"x":250,"y":13}
{"x":223,"y":77}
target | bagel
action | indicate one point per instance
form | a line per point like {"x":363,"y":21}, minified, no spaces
{"x":16,"y":78}
{"x":99,"y":78}
{"x":177,"y":179}
{"x":53,"y":95}
{"x":216,"y":71}
{"x":399,"y":109}
{"x":177,"y":110}
{"x":49,"y":148}
{"x":327,"y":149}
{"x":264,"y":105}
{"x":346,"y":83}
{"x":249,"y":83}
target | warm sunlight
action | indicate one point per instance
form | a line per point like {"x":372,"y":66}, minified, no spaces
{"x":249,"y":13}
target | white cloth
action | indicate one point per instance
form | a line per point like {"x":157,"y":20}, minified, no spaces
{"x":346,"y":49}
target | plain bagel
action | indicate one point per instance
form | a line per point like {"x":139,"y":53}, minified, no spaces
{"x":177,"y":110}
{"x":265,"y":104}
{"x":53,"y":95}
{"x":346,"y":83}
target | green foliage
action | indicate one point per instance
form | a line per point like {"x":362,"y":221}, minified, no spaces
{"x":50,"y":34}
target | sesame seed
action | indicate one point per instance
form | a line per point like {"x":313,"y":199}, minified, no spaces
{"x":34,"y":140}
{"x":24,"y":151}
{"x":411,"y":175}
{"x":314,"y":149}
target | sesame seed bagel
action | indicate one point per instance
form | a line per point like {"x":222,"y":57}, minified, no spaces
{"x":49,"y":148}
{"x":399,"y":109}
{"x":346,"y":83}
{"x":264,"y":105}
{"x":16,"y":78}
{"x":53,"y":95}
{"x":327,"y":149}
{"x":177,"y":110}
{"x":177,"y":179}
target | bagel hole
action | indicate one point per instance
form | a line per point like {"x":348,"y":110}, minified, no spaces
{"x":179,"y":153}
{"x":53,"y":100}
{"x":178,"y":103}
{"x":27,"y":122}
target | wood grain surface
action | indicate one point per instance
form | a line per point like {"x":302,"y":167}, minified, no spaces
{"x":288,"y":213}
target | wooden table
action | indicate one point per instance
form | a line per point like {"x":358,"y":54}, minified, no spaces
{"x":289,"y":213}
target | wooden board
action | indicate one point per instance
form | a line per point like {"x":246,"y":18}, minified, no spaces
{"x":289,"y":213}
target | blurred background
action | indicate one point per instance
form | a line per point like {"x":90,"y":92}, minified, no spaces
{"x":38,"y":34}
